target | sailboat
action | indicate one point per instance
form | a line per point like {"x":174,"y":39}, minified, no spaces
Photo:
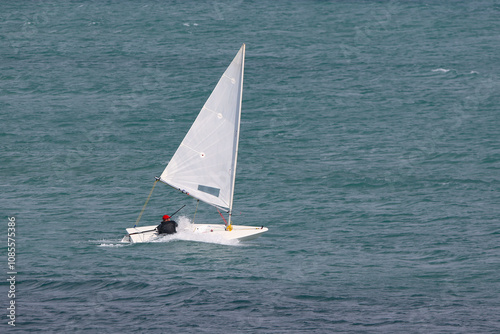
{"x":204,"y":165}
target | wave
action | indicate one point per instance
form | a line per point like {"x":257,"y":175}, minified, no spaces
{"x":443,"y":70}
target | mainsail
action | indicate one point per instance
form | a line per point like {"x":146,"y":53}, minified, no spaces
{"x":204,"y":165}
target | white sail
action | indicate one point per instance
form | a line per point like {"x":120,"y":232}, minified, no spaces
{"x":204,"y":165}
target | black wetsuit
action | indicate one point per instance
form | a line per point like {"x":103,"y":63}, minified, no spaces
{"x":167,"y":227}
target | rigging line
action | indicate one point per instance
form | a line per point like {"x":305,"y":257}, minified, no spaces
{"x":197,"y":203}
{"x":144,"y":207}
{"x":224,"y":219}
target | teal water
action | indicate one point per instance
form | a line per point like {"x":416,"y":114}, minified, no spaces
{"x":370,"y":147}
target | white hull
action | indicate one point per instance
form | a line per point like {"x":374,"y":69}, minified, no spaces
{"x":240,"y":233}
{"x":140,"y":234}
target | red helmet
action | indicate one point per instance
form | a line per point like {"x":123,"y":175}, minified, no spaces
{"x":166,"y":217}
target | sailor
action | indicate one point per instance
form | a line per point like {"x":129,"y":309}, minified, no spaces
{"x":167,"y":226}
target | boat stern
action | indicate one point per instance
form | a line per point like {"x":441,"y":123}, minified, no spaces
{"x":140,"y":234}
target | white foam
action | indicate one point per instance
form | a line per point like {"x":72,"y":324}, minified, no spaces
{"x":108,"y":243}
{"x":112,"y":245}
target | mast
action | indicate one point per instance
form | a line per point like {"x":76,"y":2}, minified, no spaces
{"x":237,"y":135}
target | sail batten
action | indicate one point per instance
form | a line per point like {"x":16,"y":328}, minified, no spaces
{"x":204,"y":165}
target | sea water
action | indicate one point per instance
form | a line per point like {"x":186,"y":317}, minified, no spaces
{"x":370,"y":148}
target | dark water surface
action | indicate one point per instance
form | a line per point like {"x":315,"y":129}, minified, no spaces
{"x":370,"y":147}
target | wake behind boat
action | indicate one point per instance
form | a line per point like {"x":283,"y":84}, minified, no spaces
{"x":204,"y":165}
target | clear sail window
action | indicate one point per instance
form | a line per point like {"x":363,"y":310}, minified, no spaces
{"x":209,"y":190}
